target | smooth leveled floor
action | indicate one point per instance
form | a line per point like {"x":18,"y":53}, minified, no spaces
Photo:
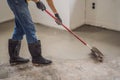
{"x":71,"y":59}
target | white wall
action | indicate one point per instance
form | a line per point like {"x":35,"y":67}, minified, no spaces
{"x":5,"y":13}
{"x":77,"y":13}
{"x":72,"y":13}
{"x":42,"y":18}
{"x":106,"y":14}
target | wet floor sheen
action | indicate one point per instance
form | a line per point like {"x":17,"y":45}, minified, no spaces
{"x":71,"y":60}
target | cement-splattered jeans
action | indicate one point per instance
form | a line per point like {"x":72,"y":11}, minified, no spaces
{"x":23,"y":21}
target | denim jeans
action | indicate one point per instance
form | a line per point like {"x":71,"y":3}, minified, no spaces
{"x":23,"y":21}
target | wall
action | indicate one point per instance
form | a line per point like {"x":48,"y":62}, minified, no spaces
{"x":72,"y":13}
{"x":42,"y":18}
{"x":106,"y":14}
{"x":5,"y":13}
{"x":77,"y":13}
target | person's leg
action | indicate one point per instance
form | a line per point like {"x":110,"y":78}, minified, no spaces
{"x":15,"y":45}
{"x":15,"y":42}
{"x":22,"y":13}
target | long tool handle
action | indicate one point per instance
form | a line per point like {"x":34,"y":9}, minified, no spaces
{"x":68,"y":29}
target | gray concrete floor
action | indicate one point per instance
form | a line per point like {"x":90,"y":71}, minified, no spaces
{"x":71,"y":59}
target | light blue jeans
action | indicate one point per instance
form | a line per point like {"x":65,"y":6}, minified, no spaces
{"x":23,"y":21}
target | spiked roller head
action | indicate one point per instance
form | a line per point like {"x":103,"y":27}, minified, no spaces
{"x":97,"y":54}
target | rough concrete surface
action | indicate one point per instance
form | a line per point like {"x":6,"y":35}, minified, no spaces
{"x":71,"y":60}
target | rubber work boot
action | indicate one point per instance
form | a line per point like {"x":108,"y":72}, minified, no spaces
{"x":14,"y":49}
{"x":35,"y":51}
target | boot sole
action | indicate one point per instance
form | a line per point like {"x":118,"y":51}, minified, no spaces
{"x":20,"y":63}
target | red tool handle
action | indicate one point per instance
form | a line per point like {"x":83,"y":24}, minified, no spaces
{"x":66,"y":28}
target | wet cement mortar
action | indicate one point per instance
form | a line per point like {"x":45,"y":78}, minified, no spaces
{"x":63,"y":70}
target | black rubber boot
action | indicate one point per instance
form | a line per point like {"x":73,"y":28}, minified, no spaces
{"x":14,"y":49}
{"x":35,"y":51}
